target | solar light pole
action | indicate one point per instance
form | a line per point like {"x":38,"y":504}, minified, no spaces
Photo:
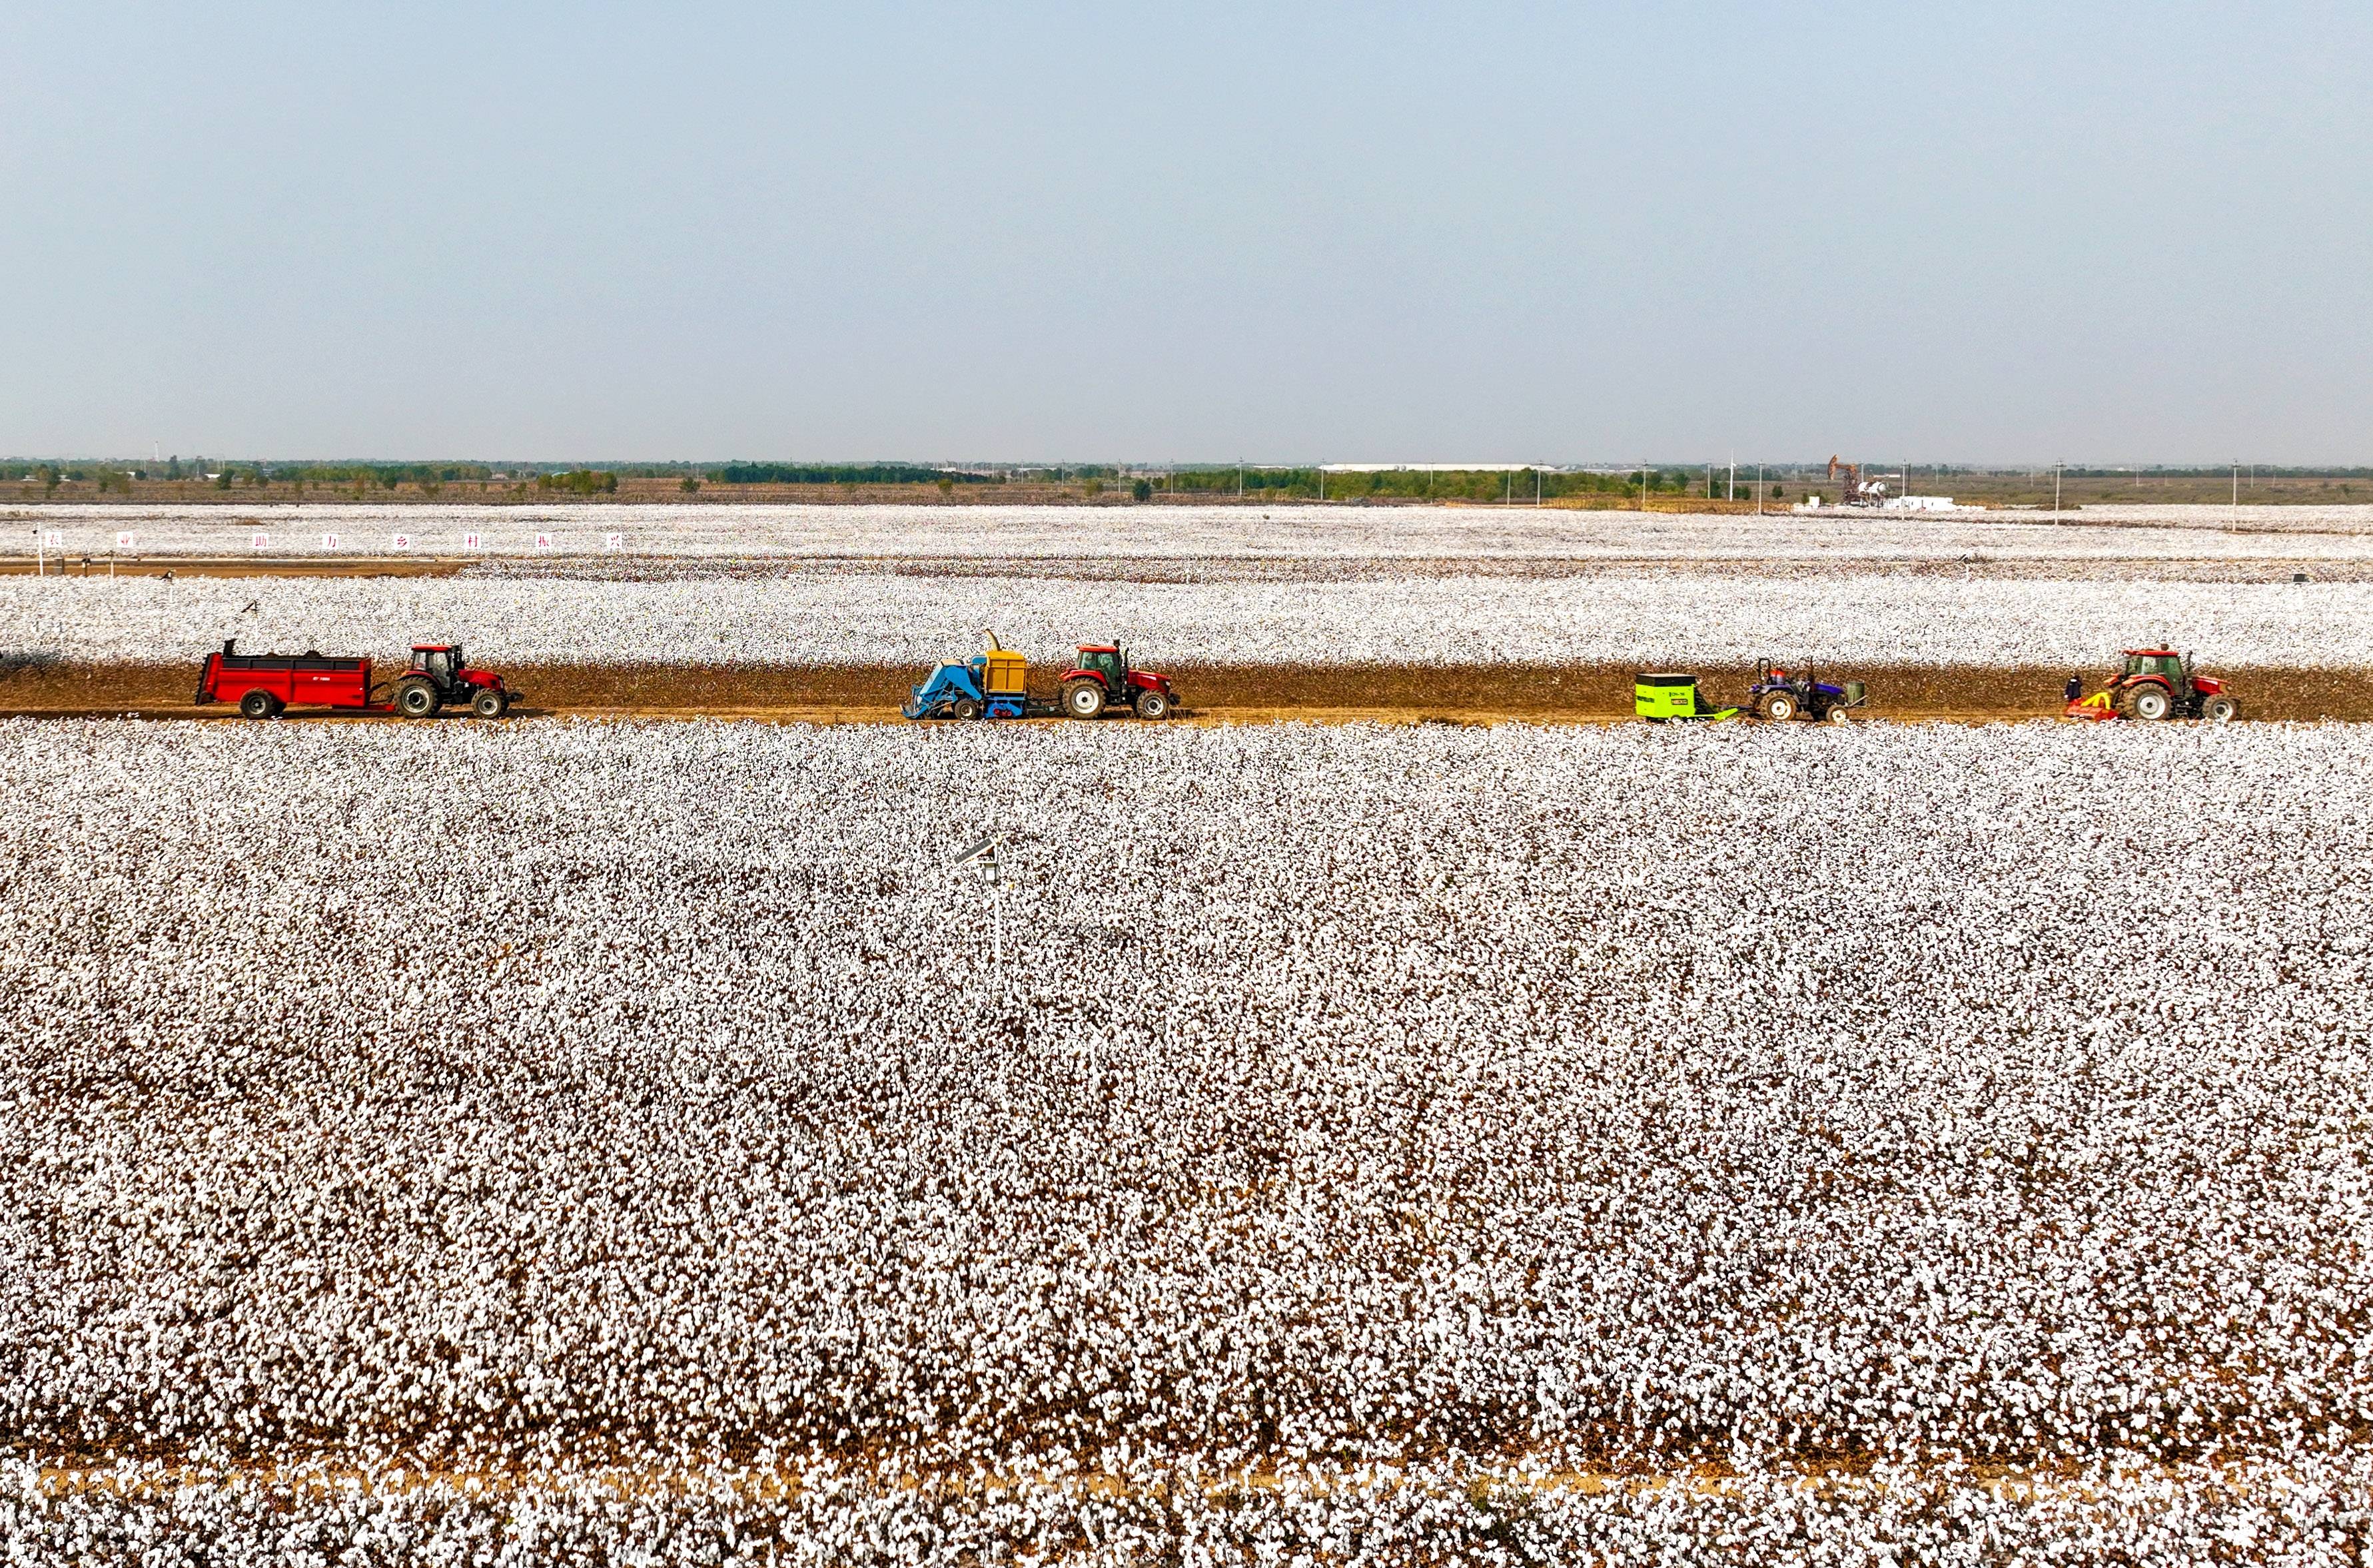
{"x":982,"y":852}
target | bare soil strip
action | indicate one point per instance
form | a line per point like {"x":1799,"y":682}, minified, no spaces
{"x":235,"y":566}
{"x":1190,"y":569}
{"x":1221,"y":693}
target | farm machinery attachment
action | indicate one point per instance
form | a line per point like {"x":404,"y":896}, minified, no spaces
{"x":2156,"y":683}
{"x":1669,"y":697}
{"x":987,"y":685}
{"x":991,"y":684}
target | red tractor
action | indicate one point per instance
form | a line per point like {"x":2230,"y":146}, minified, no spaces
{"x":439,"y":676}
{"x":2157,"y":683}
{"x":1103,"y":679}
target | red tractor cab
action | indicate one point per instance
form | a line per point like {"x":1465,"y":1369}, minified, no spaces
{"x":1103,"y":679}
{"x":440,"y":676}
{"x":2157,"y":683}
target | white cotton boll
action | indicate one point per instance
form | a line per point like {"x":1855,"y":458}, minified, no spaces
{"x":714,"y":1150}
{"x":1375,"y":609}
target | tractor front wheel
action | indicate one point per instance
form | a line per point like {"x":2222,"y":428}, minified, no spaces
{"x":1084,"y":700}
{"x":964,"y":708}
{"x":1779,"y":705}
{"x":1840,"y":714}
{"x":416,"y":699}
{"x":490,"y":703}
{"x":2220,"y":710}
{"x":1153,"y":705}
{"x":2150,"y":704}
{"x":258,"y":704}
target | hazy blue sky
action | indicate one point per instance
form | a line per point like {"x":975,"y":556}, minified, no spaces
{"x":1275,"y":231}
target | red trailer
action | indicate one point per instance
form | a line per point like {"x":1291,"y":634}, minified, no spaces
{"x":263,"y":683}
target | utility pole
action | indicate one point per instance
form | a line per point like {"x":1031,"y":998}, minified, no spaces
{"x":1758,"y":489}
{"x":1321,"y":481}
{"x":1240,"y":481}
{"x":1537,"y":486}
{"x":1732,"y":493}
{"x":2237,"y":492}
{"x":2055,"y":490}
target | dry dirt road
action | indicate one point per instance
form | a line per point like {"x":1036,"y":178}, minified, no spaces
{"x":871,"y":693}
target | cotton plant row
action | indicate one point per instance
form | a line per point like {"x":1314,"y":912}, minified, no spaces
{"x":1428,"y":1513}
{"x":330,"y":531}
{"x":622,"y":1138}
{"x":2340,"y":518}
{"x":865,"y":618}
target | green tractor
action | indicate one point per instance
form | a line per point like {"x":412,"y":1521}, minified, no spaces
{"x":1667,"y":698}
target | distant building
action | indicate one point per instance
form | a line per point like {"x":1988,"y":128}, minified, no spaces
{"x":1812,"y":503}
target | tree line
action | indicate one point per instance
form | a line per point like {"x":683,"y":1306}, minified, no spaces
{"x":1415,"y":484}
{"x":840,"y":474}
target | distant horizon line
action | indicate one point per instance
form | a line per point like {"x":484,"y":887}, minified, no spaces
{"x":1004,"y":465}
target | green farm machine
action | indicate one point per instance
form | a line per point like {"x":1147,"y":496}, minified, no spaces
{"x":1673,"y":698}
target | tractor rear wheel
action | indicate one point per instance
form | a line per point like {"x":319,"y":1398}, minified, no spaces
{"x":258,"y":703}
{"x":489,"y":703}
{"x":964,"y":708}
{"x":416,"y":699}
{"x":1084,"y":700}
{"x":1779,"y":705}
{"x":1153,"y":705}
{"x":2150,"y":704}
{"x":2220,"y":710}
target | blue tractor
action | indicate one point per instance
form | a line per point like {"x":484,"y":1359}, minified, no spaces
{"x":1778,"y":694}
{"x":987,"y":685}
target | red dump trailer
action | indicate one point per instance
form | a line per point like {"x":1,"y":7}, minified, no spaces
{"x":263,"y":683}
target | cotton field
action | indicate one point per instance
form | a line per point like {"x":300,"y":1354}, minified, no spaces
{"x":593,"y":1142}
{"x":330,"y":531}
{"x":871,"y":618}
